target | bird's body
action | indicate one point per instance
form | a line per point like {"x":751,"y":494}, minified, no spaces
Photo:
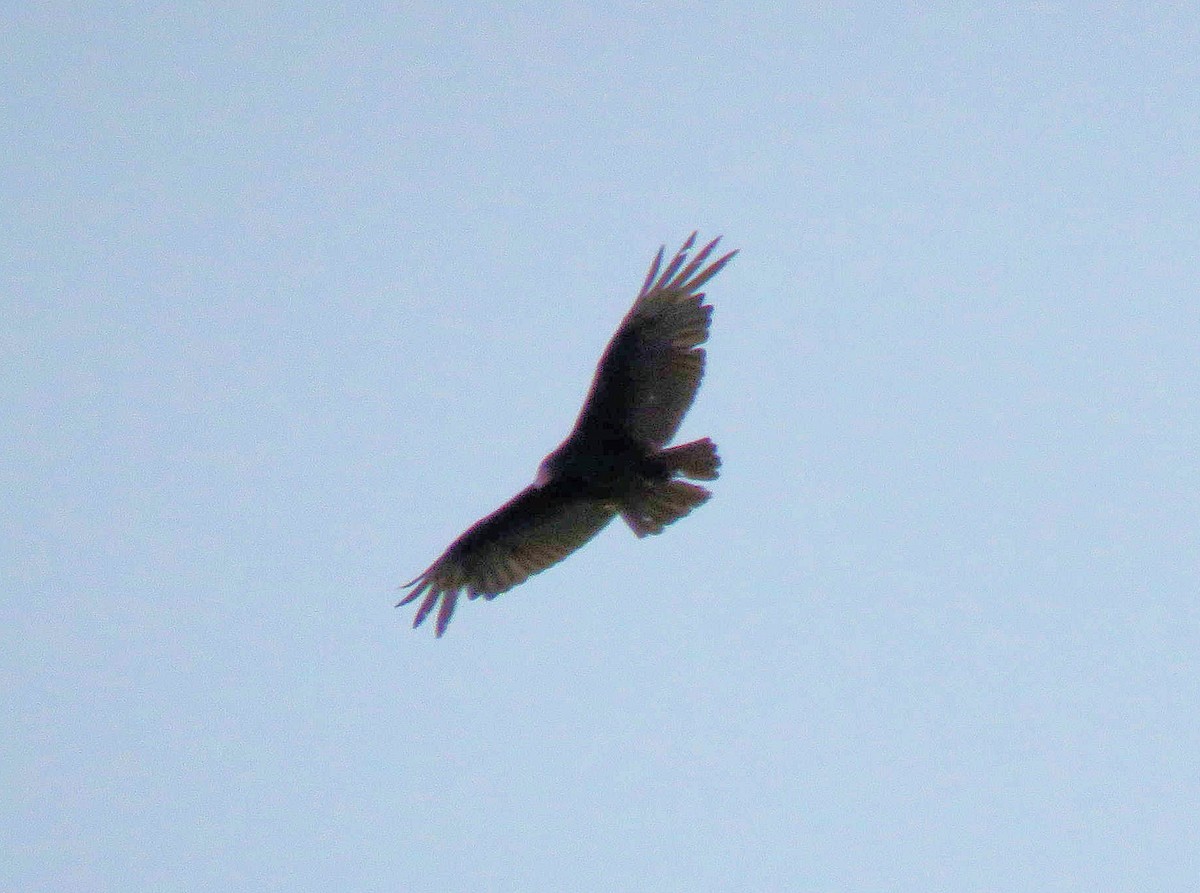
{"x":614,"y":460}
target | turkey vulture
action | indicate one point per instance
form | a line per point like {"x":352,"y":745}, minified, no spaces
{"x":615,"y":460}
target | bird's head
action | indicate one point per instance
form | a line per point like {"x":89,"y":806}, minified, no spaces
{"x":545,"y":473}
{"x":551,"y":466}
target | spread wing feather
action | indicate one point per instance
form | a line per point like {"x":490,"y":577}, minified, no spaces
{"x":537,"y":528}
{"x":651,"y":369}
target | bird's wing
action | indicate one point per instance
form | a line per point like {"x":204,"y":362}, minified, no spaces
{"x":538,"y":527}
{"x":651,"y":369}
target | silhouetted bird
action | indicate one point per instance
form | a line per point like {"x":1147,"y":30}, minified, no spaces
{"x":614,"y":461}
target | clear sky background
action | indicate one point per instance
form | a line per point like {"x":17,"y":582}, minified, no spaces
{"x":293,"y":295}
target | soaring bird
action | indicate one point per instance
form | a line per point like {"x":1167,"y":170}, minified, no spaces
{"x":615,"y":460}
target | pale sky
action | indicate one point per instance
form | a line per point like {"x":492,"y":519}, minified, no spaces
{"x":295,"y":294}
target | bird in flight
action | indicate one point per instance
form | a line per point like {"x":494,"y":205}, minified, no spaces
{"x":615,"y":460}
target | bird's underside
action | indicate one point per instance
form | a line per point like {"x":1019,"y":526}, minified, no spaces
{"x":615,"y":460}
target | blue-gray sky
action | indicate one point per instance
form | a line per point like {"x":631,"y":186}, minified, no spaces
{"x":292,"y":295}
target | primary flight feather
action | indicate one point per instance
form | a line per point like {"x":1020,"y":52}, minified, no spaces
{"x":615,"y":460}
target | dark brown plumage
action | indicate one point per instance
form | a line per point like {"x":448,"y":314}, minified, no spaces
{"x":614,"y":461}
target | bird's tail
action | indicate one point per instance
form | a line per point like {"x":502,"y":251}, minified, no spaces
{"x":657,"y":505}
{"x":697,"y":460}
